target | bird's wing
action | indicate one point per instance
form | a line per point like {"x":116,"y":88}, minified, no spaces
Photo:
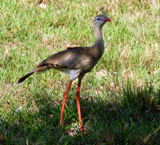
{"x":71,"y":58}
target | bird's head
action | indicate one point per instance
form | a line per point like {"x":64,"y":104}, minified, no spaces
{"x":100,"y":20}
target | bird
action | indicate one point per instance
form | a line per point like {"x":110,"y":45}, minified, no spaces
{"x":75,"y":61}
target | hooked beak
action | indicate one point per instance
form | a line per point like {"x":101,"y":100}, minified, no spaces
{"x":107,"y":19}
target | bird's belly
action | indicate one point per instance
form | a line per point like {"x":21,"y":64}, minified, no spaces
{"x":74,"y":73}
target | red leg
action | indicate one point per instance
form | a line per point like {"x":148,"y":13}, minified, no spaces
{"x":78,"y":105}
{"x":64,"y":100}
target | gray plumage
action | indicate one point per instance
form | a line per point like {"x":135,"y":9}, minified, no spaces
{"x":76,"y":61}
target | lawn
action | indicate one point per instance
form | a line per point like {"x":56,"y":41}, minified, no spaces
{"x":120,"y":97}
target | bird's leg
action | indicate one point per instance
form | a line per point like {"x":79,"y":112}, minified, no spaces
{"x":64,"y":100}
{"x":78,"y":105}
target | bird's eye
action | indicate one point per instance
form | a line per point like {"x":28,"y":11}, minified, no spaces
{"x":98,"y":19}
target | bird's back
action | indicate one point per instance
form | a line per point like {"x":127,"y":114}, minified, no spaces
{"x":71,"y":58}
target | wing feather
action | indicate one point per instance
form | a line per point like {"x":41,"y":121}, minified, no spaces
{"x":71,"y":58}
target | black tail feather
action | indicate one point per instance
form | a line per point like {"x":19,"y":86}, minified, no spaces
{"x":24,"y":77}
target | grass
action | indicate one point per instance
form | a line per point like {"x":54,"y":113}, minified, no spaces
{"x":120,"y":98}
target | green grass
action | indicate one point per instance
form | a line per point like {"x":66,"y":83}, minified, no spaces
{"x":120,"y":97}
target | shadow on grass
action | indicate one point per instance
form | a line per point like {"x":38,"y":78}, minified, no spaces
{"x":134,"y":118}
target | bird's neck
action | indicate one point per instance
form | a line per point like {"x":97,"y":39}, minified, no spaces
{"x":99,"y":43}
{"x":98,"y":35}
